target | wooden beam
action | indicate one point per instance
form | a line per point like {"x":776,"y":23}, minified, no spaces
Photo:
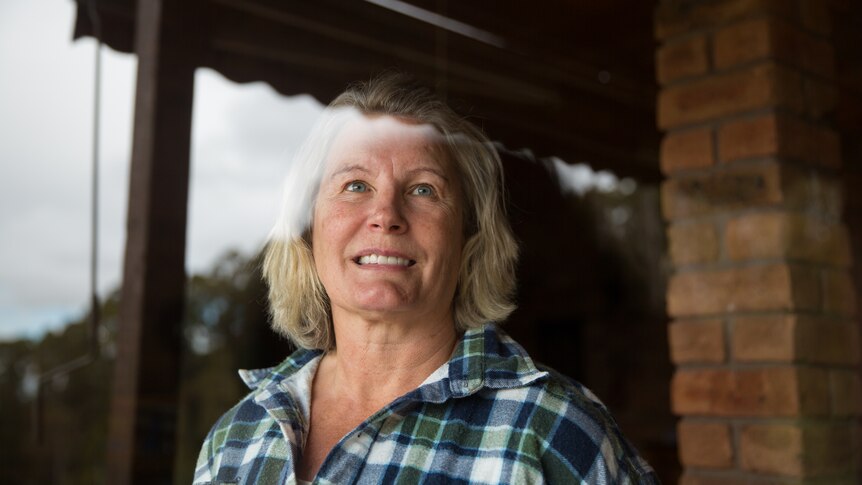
{"x":142,"y":426}
{"x":524,"y":101}
{"x":362,"y":32}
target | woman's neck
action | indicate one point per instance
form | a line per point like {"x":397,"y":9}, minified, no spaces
{"x":375,"y":362}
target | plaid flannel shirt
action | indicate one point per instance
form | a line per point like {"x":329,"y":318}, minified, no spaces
{"x":489,"y":415}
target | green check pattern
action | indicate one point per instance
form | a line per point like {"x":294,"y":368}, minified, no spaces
{"x":489,"y":415}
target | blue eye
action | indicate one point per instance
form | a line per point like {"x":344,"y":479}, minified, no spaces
{"x":423,"y":190}
{"x":356,"y":187}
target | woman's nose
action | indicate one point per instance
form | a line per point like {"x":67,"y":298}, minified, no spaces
{"x":388,"y":214}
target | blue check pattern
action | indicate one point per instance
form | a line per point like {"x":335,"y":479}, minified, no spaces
{"x":489,"y":415}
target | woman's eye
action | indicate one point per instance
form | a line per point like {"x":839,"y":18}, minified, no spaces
{"x":423,"y":190}
{"x":356,"y":187}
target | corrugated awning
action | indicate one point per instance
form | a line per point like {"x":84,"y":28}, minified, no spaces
{"x":568,"y":79}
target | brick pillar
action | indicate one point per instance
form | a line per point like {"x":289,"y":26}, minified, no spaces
{"x":764,"y":331}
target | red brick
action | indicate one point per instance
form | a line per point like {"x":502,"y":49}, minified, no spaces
{"x":795,"y":450}
{"x":764,"y":339}
{"x":736,"y":187}
{"x":692,"y":242}
{"x":793,"y":338}
{"x":808,"y":142}
{"x":812,"y":190}
{"x":751,"y":185}
{"x":825,"y":341}
{"x":813,"y":388}
{"x":846,"y":392}
{"x":748,"y":138}
{"x":763,"y":86}
{"x":752,"y":288}
{"x":772,"y":449}
{"x":682,"y":59}
{"x":672,"y":20}
{"x":687,"y":150}
{"x":697,"y":341}
{"x":772,"y":38}
{"x":777,"y":135}
{"x":839,"y":293}
{"x":704,"y":444}
{"x":774,"y":235}
{"x":773,"y":391}
{"x":743,"y":42}
{"x":827,"y":450}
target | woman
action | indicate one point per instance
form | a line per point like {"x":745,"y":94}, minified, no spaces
{"x":390,"y":259}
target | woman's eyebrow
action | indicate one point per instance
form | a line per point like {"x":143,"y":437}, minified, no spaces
{"x":431,"y":170}
{"x":349,"y":168}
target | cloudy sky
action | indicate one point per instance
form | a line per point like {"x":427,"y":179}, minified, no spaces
{"x":243,"y":138}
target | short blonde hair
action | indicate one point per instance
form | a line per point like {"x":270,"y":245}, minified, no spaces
{"x":298,"y":301}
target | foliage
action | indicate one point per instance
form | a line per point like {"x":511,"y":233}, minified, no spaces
{"x":64,"y":441}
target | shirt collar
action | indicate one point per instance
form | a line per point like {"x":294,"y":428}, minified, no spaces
{"x":488,"y":358}
{"x":485,"y":357}
{"x":258,"y":378}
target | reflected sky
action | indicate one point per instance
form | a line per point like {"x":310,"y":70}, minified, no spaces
{"x":243,"y":138}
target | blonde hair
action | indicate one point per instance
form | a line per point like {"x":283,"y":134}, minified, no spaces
{"x":298,"y":301}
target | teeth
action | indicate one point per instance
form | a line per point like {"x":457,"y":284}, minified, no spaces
{"x":390,"y":260}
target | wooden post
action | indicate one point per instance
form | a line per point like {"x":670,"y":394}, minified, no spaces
{"x":142,"y":427}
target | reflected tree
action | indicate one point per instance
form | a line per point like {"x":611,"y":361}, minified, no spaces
{"x":225,"y":328}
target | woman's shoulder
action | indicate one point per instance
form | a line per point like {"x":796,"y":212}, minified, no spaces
{"x":571,"y":394}
{"x":579,"y":432}
{"x":551,"y":399}
{"x":254,"y":422}
{"x":573,"y":431}
{"x":244,"y":411}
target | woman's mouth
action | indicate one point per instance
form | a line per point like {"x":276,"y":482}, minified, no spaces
{"x":387,"y":260}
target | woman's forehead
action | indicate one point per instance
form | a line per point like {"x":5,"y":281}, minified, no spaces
{"x":367,"y":137}
{"x":386,"y":130}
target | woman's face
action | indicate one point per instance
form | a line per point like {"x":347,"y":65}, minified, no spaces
{"x":387,"y":231}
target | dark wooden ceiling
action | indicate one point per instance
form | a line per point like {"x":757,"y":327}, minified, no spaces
{"x":572,"y":79}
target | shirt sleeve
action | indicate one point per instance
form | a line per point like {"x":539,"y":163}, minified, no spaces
{"x":204,"y":466}
{"x":583,"y":444}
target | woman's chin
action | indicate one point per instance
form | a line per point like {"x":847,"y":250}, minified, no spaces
{"x":383,"y":297}
{"x":384,"y":306}
{"x":381,"y":308}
